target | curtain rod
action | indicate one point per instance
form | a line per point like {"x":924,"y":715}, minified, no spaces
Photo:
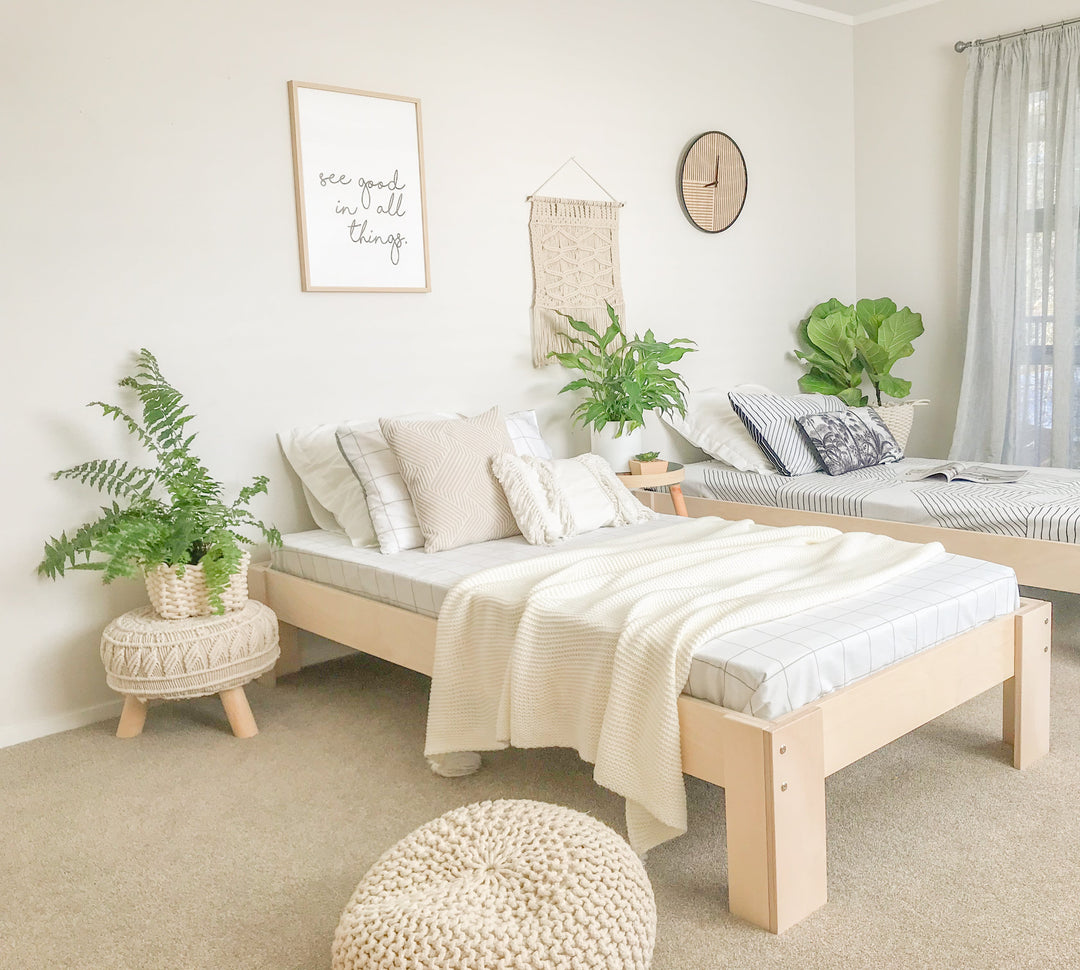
{"x":963,"y":45}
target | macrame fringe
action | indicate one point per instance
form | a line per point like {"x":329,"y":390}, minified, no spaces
{"x":549,"y":328}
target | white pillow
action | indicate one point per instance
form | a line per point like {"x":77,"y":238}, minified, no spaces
{"x":375,"y":466}
{"x":327,"y":477}
{"x":525,"y":434}
{"x":553,"y":500}
{"x":324,"y":518}
{"x":711,"y":425}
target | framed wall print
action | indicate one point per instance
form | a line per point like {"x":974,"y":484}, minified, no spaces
{"x":361,"y":214}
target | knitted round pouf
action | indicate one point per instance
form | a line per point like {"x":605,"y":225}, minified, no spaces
{"x":148,"y":657}
{"x":505,"y":884}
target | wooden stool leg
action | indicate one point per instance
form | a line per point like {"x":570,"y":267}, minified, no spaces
{"x":132,"y":718}
{"x":241,"y":720}
{"x":677,"y":500}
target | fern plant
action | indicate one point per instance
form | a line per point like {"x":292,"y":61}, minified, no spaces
{"x":625,"y":377}
{"x":170,"y":512}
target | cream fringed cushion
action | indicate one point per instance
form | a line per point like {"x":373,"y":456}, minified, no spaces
{"x":504,"y":885}
{"x":553,"y":500}
{"x":446,"y":466}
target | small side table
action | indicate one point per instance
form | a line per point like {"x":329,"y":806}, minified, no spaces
{"x":673,"y":478}
{"x":147,"y":657}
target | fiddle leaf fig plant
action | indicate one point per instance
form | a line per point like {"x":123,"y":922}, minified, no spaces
{"x":828,"y":339}
{"x":625,"y":377}
{"x":842,"y":344}
{"x":169,"y":511}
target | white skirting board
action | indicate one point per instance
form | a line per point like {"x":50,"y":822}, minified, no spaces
{"x":315,"y":649}
{"x":40,"y":727}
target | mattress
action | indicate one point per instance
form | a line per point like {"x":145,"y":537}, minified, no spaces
{"x":766,"y":670}
{"x":1044,"y":504}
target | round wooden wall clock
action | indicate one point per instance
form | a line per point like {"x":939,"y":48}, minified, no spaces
{"x":712,"y":181}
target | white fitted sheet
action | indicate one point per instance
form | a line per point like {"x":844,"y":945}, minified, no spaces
{"x":766,"y":670}
{"x":1044,"y":504}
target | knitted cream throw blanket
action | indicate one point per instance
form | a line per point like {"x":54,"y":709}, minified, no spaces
{"x":590,"y":648}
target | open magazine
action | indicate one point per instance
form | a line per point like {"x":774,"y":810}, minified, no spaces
{"x":960,"y":471}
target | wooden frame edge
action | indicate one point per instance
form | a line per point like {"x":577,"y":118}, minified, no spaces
{"x":301,"y":216}
{"x":1037,"y":562}
{"x":773,"y":772}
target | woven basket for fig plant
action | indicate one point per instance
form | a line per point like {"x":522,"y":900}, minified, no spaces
{"x":176,"y":597}
{"x":898,"y":418}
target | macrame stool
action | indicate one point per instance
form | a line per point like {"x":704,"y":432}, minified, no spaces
{"x":147,"y":657}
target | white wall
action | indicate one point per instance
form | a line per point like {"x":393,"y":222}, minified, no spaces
{"x":909,"y":86}
{"x":147,"y":199}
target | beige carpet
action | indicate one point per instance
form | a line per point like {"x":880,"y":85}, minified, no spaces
{"x":187,"y":848}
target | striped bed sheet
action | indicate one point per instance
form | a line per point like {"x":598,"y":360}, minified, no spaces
{"x":1044,"y":504}
{"x":766,"y":670}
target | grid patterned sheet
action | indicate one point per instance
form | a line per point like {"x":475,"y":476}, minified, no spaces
{"x":766,"y":670}
{"x":1044,"y":504}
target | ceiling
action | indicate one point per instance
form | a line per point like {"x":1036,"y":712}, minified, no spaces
{"x":850,"y":11}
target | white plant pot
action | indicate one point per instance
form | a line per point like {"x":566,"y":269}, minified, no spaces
{"x":617,"y":452}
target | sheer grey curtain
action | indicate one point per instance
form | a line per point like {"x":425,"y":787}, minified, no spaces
{"x":1020,"y":191}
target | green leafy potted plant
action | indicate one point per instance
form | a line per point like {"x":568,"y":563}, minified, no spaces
{"x":843,"y":344}
{"x":647,"y":463}
{"x":168,"y":519}
{"x":624,"y":379}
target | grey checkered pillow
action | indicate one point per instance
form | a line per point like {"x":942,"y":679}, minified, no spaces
{"x":388,"y":500}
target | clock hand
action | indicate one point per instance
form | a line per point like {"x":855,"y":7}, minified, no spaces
{"x":715,"y":181}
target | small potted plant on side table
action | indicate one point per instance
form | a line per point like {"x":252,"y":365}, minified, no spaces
{"x":647,"y":463}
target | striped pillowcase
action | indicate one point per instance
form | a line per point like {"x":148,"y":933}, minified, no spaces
{"x":771,"y":422}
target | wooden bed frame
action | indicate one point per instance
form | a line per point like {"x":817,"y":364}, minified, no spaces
{"x":1037,"y":562}
{"x":772,"y":772}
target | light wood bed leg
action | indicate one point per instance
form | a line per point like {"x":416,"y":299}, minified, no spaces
{"x":289,"y":660}
{"x":774,"y":796}
{"x":1025,"y":708}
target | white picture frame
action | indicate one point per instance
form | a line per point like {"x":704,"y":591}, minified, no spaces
{"x":361,"y":210}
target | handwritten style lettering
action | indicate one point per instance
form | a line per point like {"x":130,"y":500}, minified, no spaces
{"x":386,"y":195}
{"x":358,"y":234}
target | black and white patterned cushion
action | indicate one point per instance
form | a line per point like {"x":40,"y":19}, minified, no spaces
{"x":850,"y":439}
{"x":771,"y":421}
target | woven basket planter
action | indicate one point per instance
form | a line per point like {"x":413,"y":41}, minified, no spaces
{"x":176,"y":597}
{"x":899,"y":418}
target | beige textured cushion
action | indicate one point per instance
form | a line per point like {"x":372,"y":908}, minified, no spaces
{"x":446,"y":466}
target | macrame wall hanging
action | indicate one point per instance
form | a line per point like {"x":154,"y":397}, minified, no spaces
{"x":575,"y":257}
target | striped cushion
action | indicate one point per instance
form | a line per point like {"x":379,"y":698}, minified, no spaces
{"x":771,"y":423}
